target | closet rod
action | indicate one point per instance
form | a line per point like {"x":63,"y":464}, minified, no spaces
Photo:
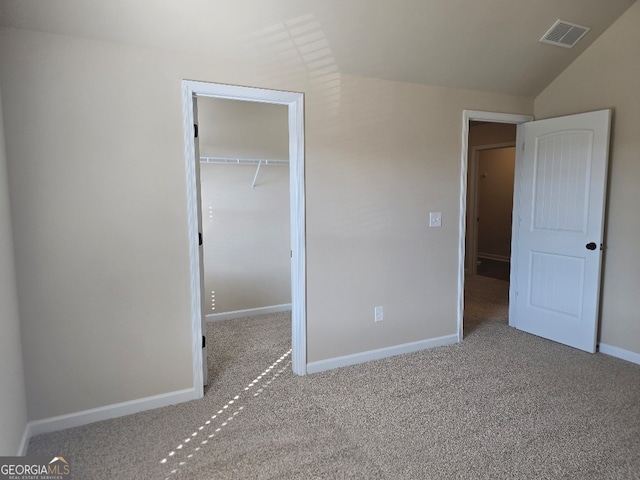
{"x":242,"y":161}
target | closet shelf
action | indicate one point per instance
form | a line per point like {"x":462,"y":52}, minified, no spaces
{"x":244,"y":161}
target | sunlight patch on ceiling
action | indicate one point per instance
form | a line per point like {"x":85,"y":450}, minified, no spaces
{"x":300,"y":43}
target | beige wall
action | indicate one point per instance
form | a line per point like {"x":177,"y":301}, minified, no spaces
{"x":232,"y":128}
{"x":495,"y":201}
{"x":97,"y":184}
{"x":376,"y":169}
{"x":247,"y":244}
{"x":13,"y":403}
{"x":247,"y":262}
{"x":102,"y":265}
{"x":607,"y":75}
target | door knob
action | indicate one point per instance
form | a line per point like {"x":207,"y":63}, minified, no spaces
{"x":591,"y":246}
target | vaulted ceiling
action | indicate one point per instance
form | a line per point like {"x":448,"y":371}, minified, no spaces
{"x":488,"y":45}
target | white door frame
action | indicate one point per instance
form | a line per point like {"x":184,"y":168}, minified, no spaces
{"x":295,"y":103}
{"x":467,"y":116}
{"x":472,"y":202}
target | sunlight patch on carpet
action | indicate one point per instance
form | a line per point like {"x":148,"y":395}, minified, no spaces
{"x":199,"y":438}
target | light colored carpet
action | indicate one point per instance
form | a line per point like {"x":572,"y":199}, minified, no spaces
{"x":502,"y":404}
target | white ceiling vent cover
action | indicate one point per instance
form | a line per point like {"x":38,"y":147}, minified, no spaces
{"x":564,"y":34}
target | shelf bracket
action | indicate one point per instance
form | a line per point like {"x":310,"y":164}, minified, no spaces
{"x":253,"y":185}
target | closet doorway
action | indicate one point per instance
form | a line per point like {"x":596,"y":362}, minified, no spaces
{"x":205,"y":106}
{"x":244,"y":180}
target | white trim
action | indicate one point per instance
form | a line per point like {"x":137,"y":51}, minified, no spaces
{"x":24,"y":443}
{"x":467,"y":116}
{"x":298,"y":236}
{"x":295,"y":103}
{"x":495,"y":117}
{"x":621,"y":353}
{"x":216,"y":317}
{"x":356,"y":358}
{"x":242,"y":161}
{"x":515,"y":230}
{"x":193,"y":236}
{"x":493,"y":256}
{"x":107,"y":412}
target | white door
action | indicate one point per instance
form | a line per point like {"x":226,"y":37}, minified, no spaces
{"x":561,"y":174}
{"x":205,"y":370}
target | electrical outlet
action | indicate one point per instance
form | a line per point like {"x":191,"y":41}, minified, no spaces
{"x":435,"y":219}
{"x":378,"y":314}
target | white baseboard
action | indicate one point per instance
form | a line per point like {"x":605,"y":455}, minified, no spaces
{"x":107,"y":412}
{"x":620,"y":353}
{"x":24,"y":443}
{"x":337,"y":362}
{"x":492,"y":256}
{"x":216,"y":317}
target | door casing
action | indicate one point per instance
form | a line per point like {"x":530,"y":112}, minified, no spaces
{"x":295,"y":103}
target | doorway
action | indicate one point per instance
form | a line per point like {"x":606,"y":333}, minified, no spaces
{"x":244,"y":186}
{"x":481,"y":132}
{"x":558,"y":222}
{"x":489,"y":217}
{"x":294,"y":101}
{"x":244,"y":183}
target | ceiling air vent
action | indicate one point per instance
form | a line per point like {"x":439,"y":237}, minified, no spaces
{"x":564,"y":34}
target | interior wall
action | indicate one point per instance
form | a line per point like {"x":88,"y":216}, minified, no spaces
{"x":247,"y":242}
{"x":389,"y":156}
{"x":98,"y":200}
{"x":102,"y":265}
{"x":495,"y":202}
{"x":607,"y":75}
{"x":13,"y":402}
{"x":247,"y":259}
{"x":239,"y":129}
{"x":481,"y":134}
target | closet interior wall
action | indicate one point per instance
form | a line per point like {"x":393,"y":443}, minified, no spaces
{"x":244,"y":178}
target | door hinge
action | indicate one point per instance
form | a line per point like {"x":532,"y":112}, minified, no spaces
{"x":199,"y":238}
{"x":195,"y":130}
{"x":204,"y":341}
